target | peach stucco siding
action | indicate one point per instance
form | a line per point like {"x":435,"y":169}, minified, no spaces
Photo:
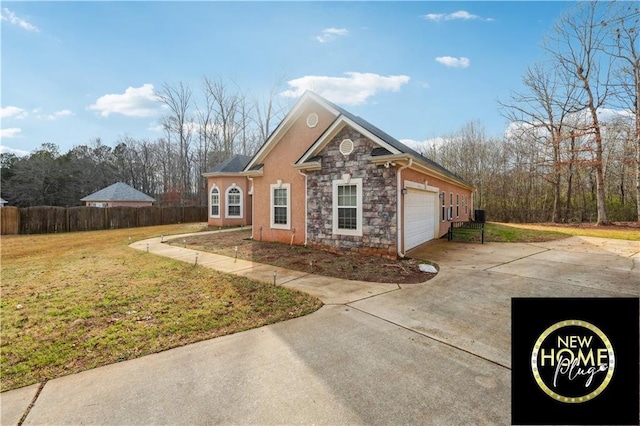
{"x":338,"y":149}
{"x":222,"y":183}
{"x":448,"y":188}
{"x":284,"y":154}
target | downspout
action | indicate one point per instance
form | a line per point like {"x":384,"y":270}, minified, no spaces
{"x":251,"y":192}
{"x":305,"y":206}
{"x":400,"y":207}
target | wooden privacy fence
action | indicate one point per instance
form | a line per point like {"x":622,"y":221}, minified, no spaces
{"x":44,"y":220}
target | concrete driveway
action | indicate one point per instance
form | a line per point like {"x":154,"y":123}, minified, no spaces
{"x":432,"y":353}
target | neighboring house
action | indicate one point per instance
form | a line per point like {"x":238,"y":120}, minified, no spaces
{"x":328,"y":179}
{"x":3,"y":202}
{"x":118,"y":195}
{"x":229,"y":197}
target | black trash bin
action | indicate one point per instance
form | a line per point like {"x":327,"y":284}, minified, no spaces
{"x":480,"y":216}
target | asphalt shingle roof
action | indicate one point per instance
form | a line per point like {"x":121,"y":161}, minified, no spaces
{"x":118,"y":192}
{"x":392,"y":141}
{"x":233,"y":164}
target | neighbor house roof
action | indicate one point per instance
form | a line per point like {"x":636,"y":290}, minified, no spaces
{"x":118,"y":192}
{"x":3,"y":201}
{"x":234,"y":164}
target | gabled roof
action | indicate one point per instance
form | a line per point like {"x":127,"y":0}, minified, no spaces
{"x":118,"y":192}
{"x":389,"y":146}
{"x":233,"y":164}
{"x":285,"y":125}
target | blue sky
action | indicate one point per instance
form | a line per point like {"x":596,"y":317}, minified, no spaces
{"x":74,"y":71}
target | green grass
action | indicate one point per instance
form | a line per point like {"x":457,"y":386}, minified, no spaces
{"x":75,"y":301}
{"x":525,"y":233}
{"x":612,"y":231}
{"x":505,"y":233}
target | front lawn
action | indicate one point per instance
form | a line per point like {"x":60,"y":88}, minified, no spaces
{"x":76,"y":301}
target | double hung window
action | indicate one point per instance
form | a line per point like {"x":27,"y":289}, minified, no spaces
{"x":281,"y":206}
{"x":234,"y":202}
{"x":214,"y":202}
{"x":347,"y":207}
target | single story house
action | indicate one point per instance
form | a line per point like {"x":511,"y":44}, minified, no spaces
{"x":229,"y":200}
{"x":118,"y":195}
{"x":328,"y":179}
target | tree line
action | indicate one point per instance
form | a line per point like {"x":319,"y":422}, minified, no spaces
{"x":572,"y":150}
{"x":570,"y":154}
{"x":195,"y":137}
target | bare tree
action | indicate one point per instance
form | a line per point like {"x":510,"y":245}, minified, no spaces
{"x":178,"y":122}
{"x":269,"y":111}
{"x":544,"y":110}
{"x":576,"y":45}
{"x":623,"y":27}
{"x":226,"y":105}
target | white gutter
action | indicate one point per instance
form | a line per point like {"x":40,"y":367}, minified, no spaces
{"x":400,"y":207}
{"x":252,"y":205}
{"x":305,"y":206}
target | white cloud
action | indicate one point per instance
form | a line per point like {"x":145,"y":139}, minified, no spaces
{"x":11,"y":132}
{"x":59,"y":114}
{"x":580,"y":120}
{"x":154,"y":127}
{"x":134,"y":102}
{"x":12,"y":18}
{"x":13,"y":112}
{"x":8,"y":150}
{"x":420,"y":146}
{"x":354,"y":89}
{"x":452,"y":62}
{"x":331,"y":34}
{"x":460,"y":14}
{"x":611,"y":115}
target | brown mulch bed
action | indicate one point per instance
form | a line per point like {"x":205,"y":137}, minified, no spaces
{"x":347,"y":266}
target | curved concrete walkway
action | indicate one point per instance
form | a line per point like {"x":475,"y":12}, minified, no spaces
{"x":328,"y":289}
{"x":432,"y":353}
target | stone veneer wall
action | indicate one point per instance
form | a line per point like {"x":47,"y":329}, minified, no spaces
{"x":379,"y":228}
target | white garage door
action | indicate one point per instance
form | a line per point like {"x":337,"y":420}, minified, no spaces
{"x":419,"y":217}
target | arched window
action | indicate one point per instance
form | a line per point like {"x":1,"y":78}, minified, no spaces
{"x":234,"y":202}
{"x":214,"y":210}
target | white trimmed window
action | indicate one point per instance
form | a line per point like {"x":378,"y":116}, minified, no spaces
{"x":450,"y":215}
{"x":347,"y":206}
{"x":214,"y":202}
{"x":234,"y":202}
{"x":443,"y":213}
{"x":457,"y":205}
{"x":281,"y":205}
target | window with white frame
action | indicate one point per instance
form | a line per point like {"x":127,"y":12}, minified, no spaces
{"x":347,"y":206}
{"x":234,"y":202}
{"x":443,"y":209}
{"x":214,"y":202}
{"x":281,"y":205}
{"x":457,"y":205}
{"x":450,"y":213}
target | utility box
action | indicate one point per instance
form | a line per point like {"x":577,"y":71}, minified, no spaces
{"x":480,"y":216}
